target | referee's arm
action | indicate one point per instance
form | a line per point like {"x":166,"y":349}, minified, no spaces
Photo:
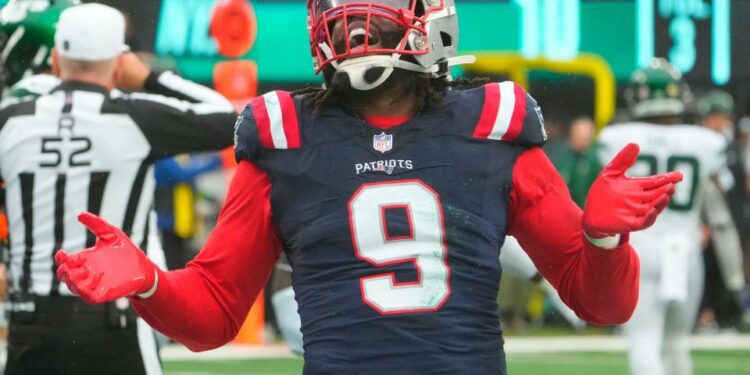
{"x":174,"y":86}
{"x":179,"y":116}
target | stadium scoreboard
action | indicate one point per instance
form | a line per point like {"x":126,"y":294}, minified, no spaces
{"x":706,"y":39}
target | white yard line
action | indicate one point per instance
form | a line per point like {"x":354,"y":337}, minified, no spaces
{"x":178,"y":352}
{"x":513,"y":345}
{"x":614,"y":343}
{"x":572,"y":359}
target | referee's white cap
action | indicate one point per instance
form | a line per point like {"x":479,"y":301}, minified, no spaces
{"x":90,"y":32}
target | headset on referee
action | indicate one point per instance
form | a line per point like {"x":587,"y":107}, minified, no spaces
{"x":86,"y":146}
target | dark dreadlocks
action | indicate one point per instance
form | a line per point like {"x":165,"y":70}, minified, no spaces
{"x":429,"y":91}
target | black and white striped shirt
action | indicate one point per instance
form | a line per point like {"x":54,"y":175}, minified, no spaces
{"x":82,"y":148}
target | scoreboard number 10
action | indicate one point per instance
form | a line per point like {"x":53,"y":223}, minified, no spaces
{"x":557,"y":36}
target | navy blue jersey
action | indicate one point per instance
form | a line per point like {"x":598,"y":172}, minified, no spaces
{"x":394,"y":235}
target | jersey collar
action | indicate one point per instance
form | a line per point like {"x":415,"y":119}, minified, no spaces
{"x":386,"y":122}
{"x":80,"y":86}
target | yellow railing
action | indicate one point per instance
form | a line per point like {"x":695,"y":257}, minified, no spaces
{"x":517,"y":68}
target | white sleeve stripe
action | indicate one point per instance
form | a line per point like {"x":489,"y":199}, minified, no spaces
{"x":276,"y":119}
{"x":198,"y":92}
{"x":181,"y":105}
{"x":505,"y":112}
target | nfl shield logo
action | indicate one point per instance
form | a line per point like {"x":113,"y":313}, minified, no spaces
{"x":382,"y":142}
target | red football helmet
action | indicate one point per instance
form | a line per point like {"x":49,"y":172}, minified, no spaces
{"x":355,"y":35}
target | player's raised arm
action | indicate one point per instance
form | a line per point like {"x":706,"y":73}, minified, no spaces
{"x":203,"y":305}
{"x":175,"y":115}
{"x":586,"y":255}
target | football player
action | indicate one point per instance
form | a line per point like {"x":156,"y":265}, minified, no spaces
{"x":391,"y":191}
{"x":724,"y":215}
{"x":27,"y":32}
{"x":670,"y":252}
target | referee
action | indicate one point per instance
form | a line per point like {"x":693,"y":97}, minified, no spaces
{"x":85,"y":147}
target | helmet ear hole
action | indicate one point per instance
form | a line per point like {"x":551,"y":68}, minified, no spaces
{"x":446,"y":38}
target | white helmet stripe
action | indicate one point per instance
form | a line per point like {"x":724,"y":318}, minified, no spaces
{"x":12,"y":41}
{"x":41,"y":53}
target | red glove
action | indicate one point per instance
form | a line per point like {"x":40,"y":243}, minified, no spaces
{"x":618,"y":204}
{"x":113,"y":268}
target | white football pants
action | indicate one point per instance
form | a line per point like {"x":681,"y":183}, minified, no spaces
{"x":658,"y":334}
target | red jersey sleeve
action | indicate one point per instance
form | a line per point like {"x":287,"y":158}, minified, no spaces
{"x":204,"y":305}
{"x":600,"y":285}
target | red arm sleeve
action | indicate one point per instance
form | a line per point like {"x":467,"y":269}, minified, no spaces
{"x":204,"y":305}
{"x":600,"y":285}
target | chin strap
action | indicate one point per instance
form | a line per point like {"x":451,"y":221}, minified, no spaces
{"x":356,"y":68}
{"x":461,"y":60}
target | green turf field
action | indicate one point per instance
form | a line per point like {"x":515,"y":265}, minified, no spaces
{"x":705,"y":363}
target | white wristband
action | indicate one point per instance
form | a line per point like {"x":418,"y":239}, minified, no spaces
{"x":153,"y":288}
{"x":608,"y":243}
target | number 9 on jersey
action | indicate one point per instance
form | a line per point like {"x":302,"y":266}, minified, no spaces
{"x":424,"y":246}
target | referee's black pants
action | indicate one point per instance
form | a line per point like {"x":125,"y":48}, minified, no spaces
{"x":66,"y":336}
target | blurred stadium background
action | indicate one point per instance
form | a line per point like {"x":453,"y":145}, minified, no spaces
{"x":574,"y":57}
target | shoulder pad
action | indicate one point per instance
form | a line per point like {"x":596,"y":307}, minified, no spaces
{"x":713,"y":140}
{"x":510,"y":114}
{"x":36,"y":85}
{"x":270,"y":122}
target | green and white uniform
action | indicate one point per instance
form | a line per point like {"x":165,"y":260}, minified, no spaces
{"x":670,"y":251}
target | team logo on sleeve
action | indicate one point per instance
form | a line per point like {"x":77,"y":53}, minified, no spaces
{"x":382,"y":142}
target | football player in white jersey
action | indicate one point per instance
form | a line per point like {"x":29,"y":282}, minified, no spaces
{"x":670,"y":251}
